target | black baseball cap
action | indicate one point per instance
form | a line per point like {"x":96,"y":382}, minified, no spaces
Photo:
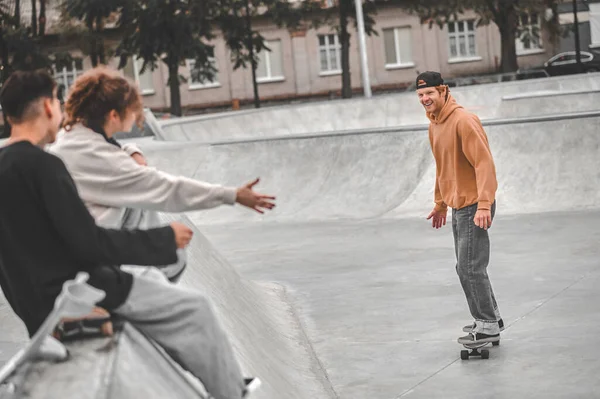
{"x":429,"y":79}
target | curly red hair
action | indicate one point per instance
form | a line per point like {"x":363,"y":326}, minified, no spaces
{"x":97,"y":92}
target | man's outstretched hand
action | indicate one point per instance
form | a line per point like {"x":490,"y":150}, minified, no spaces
{"x":439,"y":219}
{"x":248,"y":197}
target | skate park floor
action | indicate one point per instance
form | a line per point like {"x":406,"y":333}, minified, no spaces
{"x":383,"y":307}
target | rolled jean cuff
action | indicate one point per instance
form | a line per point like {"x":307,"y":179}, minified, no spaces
{"x":486,"y":327}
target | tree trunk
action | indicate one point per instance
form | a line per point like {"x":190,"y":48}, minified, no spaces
{"x":577,"y":40}
{"x":174,"y":87}
{"x":18,"y":13}
{"x":100,"y":41}
{"x":345,"y":43}
{"x":42,"y":17}
{"x":507,"y":25}
{"x":34,"y":25}
{"x":93,"y":42}
{"x":251,"y":51}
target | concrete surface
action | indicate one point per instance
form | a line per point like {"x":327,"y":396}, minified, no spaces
{"x":375,"y":287}
{"x":263,"y":326}
{"x":561,"y":94}
{"x":542,"y":166}
{"x":345,"y":290}
{"x":383,"y":306}
{"x":110,"y":367}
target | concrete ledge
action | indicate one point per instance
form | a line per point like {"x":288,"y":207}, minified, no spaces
{"x":126,"y":365}
{"x":549,"y":93}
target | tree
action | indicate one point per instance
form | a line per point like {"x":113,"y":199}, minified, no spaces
{"x":235,"y":21}
{"x":171,"y":32}
{"x":338,"y":17}
{"x":94,"y":14}
{"x":504,"y":13}
{"x":21,"y":48}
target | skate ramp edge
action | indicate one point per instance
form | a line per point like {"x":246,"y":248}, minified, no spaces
{"x":262,"y":324}
{"x":267,"y":337}
{"x":389,"y":110}
{"x":543,"y":163}
{"x":126,"y":365}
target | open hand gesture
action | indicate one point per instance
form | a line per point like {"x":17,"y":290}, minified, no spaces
{"x":439,"y":219}
{"x":248,"y":197}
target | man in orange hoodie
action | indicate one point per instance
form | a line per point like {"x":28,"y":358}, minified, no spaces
{"x":466,"y":182}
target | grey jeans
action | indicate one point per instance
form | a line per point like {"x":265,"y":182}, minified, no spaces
{"x":183,"y":323}
{"x":472,"y":247}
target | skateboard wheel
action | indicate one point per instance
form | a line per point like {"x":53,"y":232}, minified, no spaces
{"x":464,"y":355}
{"x":485,"y":354}
{"x":496,"y":343}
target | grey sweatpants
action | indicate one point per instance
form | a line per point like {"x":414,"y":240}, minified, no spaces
{"x":144,"y":219}
{"x":472,"y":246}
{"x":182,"y":322}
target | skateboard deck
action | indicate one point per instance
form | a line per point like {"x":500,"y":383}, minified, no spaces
{"x":473,"y":350}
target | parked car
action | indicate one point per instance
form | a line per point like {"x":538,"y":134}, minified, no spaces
{"x":566,"y":63}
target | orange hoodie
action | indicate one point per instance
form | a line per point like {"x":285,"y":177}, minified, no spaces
{"x":465,"y":170}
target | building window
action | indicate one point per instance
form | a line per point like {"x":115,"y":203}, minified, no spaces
{"x":462,"y":39}
{"x":398,"y":47}
{"x":194,"y":81}
{"x":330,"y":54}
{"x":595,"y":23}
{"x":270,"y":64}
{"x":529,"y":32}
{"x":66,"y":75}
{"x":144,"y":80}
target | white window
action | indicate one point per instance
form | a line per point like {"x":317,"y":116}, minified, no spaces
{"x":66,"y":75}
{"x":270,"y":65}
{"x":529,"y":34}
{"x":144,"y":80}
{"x":461,"y":36}
{"x":330,"y":54}
{"x":595,"y":23}
{"x":195,"y":83}
{"x":398,"y":47}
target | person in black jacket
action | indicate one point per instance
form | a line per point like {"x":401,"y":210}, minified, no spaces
{"x":47,"y":236}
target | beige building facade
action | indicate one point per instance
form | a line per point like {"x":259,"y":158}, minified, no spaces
{"x":305,"y":63}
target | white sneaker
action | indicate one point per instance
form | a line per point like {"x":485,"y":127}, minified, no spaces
{"x":252,"y":384}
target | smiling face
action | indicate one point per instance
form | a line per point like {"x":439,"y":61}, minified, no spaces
{"x":431,"y":99}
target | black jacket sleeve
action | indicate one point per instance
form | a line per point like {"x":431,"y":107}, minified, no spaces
{"x":89,"y":242}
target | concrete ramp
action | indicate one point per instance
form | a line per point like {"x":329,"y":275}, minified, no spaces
{"x":126,"y":365}
{"x":267,"y":336}
{"x":263,"y":326}
{"x":544,"y":164}
{"x":537,"y":97}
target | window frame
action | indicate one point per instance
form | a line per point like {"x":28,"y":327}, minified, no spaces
{"x":466,"y":33}
{"x":200,"y":86}
{"x":336,"y":47}
{"x":269,"y":78}
{"x":397,"y":50}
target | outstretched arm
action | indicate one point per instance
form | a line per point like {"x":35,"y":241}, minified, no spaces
{"x":90,"y":243}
